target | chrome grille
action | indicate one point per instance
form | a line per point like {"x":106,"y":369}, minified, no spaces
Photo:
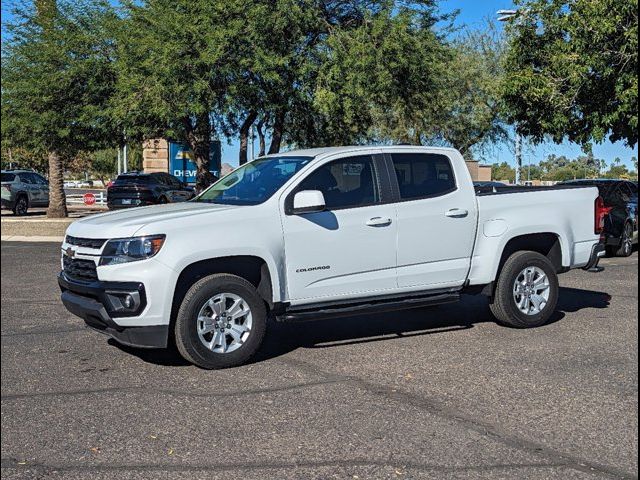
{"x":76,"y":268}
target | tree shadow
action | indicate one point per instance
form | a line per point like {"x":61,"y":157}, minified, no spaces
{"x":283,"y":338}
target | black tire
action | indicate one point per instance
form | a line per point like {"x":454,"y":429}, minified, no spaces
{"x":186,"y":335}
{"x":504,"y":306}
{"x":163,"y":200}
{"x":21,"y":206}
{"x":626,"y":242}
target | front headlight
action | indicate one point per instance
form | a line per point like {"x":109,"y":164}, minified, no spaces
{"x":126,"y":250}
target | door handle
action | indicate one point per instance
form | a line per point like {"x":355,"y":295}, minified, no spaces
{"x":378,"y":222}
{"x":457,"y":213}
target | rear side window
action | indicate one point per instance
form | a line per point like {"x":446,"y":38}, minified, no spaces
{"x":173,"y":181}
{"x":27,"y":178}
{"x":8,"y":177}
{"x":345,"y":183}
{"x":423,"y":175}
{"x":39,"y":179}
{"x":133,"y":179}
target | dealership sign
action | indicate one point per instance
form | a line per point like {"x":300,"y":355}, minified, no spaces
{"x":181,"y":163}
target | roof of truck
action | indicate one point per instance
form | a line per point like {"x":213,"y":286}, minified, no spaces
{"x":315,"y":152}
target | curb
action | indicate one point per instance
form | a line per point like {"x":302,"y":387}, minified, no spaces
{"x":35,"y":238}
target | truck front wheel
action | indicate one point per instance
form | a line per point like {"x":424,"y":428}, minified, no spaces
{"x":221,"y":322}
{"x":527,"y":291}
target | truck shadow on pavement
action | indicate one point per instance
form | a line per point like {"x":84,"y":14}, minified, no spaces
{"x":283,"y":338}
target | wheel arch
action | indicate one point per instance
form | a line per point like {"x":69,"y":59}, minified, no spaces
{"x":23,"y":193}
{"x":252,"y":268}
{"x":549,"y":244}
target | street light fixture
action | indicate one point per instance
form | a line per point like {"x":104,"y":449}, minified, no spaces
{"x":506,"y":15}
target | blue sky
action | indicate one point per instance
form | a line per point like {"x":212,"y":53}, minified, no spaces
{"x":473,"y":14}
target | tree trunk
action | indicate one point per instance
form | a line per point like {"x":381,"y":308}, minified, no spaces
{"x":259,"y":128}
{"x":199,"y":141}
{"x":57,"y":198}
{"x":278,"y":131}
{"x":244,"y":136}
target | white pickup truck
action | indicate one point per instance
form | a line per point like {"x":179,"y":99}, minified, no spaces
{"x":324,"y":232}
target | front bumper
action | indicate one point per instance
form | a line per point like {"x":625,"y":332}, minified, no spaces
{"x":98,"y":303}
{"x":597,"y":252}
{"x":8,"y":204}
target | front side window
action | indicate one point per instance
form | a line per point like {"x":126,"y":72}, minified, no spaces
{"x":27,"y":178}
{"x":40,"y":179}
{"x":254,"y":182}
{"x":345,"y":183}
{"x":423,"y":175}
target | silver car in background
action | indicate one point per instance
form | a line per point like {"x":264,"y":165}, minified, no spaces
{"x":23,"y":189}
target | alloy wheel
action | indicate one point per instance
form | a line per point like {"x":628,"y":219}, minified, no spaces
{"x":531,"y":290}
{"x":224,"y":323}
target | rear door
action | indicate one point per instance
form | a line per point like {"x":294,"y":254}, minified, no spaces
{"x":437,"y":218}
{"x":31,"y":186}
{"x":43,"y":189}
{"x":348,"y":250}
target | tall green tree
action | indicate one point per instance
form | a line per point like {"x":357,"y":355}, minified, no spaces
{"x":572,"y":70}
{"x":503,"y":171}
{"x":176,"y":61}
{"x":398,"y":79}
{"x":57,"y":78}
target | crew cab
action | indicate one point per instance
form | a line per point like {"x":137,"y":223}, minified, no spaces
{"x":325,"y":232}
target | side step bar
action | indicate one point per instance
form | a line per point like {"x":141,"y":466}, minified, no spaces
{"x":307,"y":312}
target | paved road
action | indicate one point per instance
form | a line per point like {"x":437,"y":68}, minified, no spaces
{"x":431,"y":393}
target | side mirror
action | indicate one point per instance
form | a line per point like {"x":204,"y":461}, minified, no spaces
{"x":308,"y":201}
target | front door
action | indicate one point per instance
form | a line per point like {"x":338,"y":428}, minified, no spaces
{"x":348,"y":250}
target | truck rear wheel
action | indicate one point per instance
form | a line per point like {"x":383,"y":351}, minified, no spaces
{"x":527,"y":291}
{"x":221,"y":322}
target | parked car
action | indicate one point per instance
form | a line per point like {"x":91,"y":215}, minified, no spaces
{"x":621,"y":224}
{"x":23,"y":189}
{"x":324,"y":232}
{"x":136,"y":189}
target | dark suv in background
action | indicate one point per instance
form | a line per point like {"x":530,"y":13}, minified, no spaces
{"x":136,"y":189}
{"x":621,"y":224}
{"x":22,"y":189}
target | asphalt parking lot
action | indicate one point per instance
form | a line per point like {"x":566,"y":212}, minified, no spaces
{"x":431,"y":393}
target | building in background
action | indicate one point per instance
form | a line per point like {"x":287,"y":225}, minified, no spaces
{"x":479,"y":173}
{"x":160,"y":155}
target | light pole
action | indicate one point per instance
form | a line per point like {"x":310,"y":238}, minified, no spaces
{"x":507,"y":16}
{"x":518,"y":156}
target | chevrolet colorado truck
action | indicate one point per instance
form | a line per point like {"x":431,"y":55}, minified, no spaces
{"x":325,"y":232}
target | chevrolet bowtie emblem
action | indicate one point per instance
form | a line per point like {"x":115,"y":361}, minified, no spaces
{"x":70,"y":252}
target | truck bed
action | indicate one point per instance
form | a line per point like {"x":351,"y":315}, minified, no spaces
{"x":507,"y":189}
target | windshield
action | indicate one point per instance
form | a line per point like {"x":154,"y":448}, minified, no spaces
{"x":254,"y":182}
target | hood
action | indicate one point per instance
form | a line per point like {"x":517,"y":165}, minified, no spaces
{"x":125,"y":223}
